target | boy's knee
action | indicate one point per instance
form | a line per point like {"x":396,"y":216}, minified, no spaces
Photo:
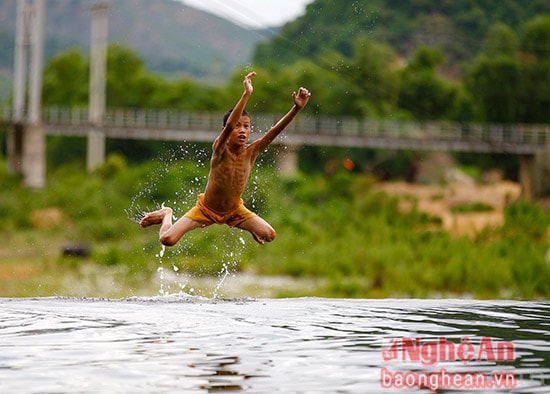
{"x":270,"y":236}
{"x":266,"y":236}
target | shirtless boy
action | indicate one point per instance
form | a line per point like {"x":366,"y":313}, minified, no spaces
{"x":230,"y":165}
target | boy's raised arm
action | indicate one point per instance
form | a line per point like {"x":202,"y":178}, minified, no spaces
{"x":300,"y":100}
{"x":237,"y":110}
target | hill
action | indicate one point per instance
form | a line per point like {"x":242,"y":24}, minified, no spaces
{"x":171,"y":37}
{"x":456,"y":28}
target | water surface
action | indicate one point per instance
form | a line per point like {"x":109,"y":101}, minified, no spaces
{"x":184,"y":344}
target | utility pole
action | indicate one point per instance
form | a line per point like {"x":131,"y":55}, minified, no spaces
{"x":98,"y":71}
{"x":26,"y":139}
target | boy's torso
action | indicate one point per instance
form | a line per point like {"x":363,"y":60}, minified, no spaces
{"x":227,"y":179}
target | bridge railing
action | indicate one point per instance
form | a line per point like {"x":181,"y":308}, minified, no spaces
{"x":158,"y":119}
{"x":304,"y":124}
{"x":424,"y":130}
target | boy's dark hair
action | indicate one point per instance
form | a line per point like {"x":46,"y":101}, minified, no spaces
{"x":226,"y":116}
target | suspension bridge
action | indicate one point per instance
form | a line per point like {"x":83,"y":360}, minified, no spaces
{"x":525,"y":140}
{"x":174,"y":125}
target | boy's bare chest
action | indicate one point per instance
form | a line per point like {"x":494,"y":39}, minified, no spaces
{"x":232,"y":169}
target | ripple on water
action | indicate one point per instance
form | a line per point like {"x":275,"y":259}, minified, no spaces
{"x":196,"y":344}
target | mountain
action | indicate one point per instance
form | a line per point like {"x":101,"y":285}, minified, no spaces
{"x":171,"y":37}
{"x":455,"y":27}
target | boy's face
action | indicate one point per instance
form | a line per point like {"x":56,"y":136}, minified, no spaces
{"x":241,"y":132}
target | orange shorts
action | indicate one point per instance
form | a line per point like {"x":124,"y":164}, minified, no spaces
{"x":204,"y":215}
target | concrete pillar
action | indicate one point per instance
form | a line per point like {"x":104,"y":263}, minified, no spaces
{"x":96,"y":148}
{"x":98,"y":71}
{"x":287,"y":159}
{"x":15,"y":132}
{"x":541,"y":176}
{"x":34,"y":160}
{"x":33,"y":139}
{"x":15,"y":148}
{"x":36,"y":64}
{"x":526,"y":170}
{"x":22,"y":40}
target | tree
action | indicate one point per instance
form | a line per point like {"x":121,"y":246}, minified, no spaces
{"x":500,"y":41}
{"x":535,"y":63}
{"x":511,"y":82}
{"x":423,"y":92}
{"x":495,"y":77}
{"x":374,"y":72}
{"x":128,"y":84}
{"x":65,"y":80}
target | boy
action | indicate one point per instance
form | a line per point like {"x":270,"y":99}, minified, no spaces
{"x":230,"y":165}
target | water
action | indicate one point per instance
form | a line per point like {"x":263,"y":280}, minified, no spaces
{"x":185,"y":344}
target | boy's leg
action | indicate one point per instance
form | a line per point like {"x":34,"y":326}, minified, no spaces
{"x":259,"y":228}
{"x":169,"y":233}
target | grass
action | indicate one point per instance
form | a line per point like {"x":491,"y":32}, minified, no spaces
{"x":336,"y":231}
{"x":472,"y":207}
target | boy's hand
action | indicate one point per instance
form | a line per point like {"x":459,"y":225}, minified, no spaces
{"x":301,"y":99}
{"x":248,"y":82}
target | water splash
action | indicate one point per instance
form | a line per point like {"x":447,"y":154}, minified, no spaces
{"x":222,"y":275}
{"x":181,"y":171}
{"x":135,"y":214}
{"x":168,"y":168}
{"x":160,"y":271}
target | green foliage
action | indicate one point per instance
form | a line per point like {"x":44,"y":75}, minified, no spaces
{"x":375,"y":77}
{"x":364,"y":245}
{"x":61,"y":151}
{"x":535,"y":93}
{"x":524,"y":220}
{"x":65,"y":81}
{"x":495,"y":81}
{"x":511,"y":82}
{"x":508,"y":76}
{"x":535,"y":40}
{"x":472,"y":207}
{"x":423,"y":92}
{"x":114,"y":164}
{"x":453,"y":26}
{"x":335,"y":228}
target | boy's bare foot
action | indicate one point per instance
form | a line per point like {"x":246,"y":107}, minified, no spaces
{"x":155,"y":217}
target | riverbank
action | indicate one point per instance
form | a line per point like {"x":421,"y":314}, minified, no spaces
{"x":340,"y":236}
{"x":464,"y":208}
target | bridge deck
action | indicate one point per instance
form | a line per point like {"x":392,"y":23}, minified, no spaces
{"x":307,"y":130}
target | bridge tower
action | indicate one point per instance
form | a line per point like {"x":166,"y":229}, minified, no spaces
{"x":26,"y":138}
{"x":98,"y":71}
{"x":287,"y":158}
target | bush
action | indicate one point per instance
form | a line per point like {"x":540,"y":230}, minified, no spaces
{"x":332,"y":228}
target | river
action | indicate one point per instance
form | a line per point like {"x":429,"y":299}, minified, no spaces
{"x":189,"y":344}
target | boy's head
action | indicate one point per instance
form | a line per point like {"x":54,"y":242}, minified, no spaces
{"x":226,"y":116}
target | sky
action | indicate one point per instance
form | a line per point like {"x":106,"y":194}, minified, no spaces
{"x":253,"y":13}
